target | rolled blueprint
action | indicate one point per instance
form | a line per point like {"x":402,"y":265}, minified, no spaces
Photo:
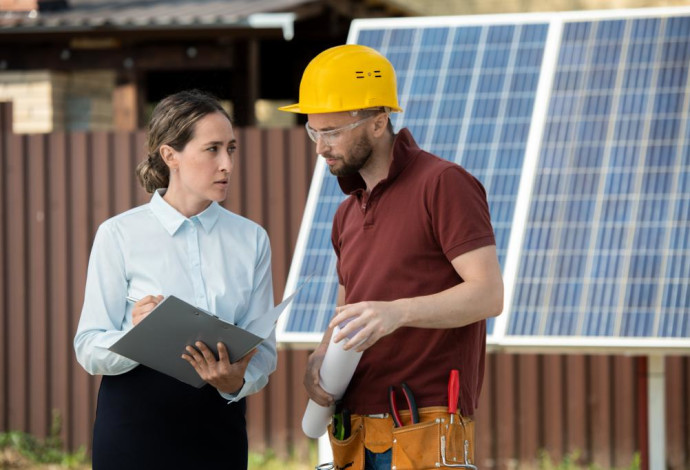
{"x":334,"y":377}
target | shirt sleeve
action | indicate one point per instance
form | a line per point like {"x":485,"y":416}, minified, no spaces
{"x":460,"y":213}
{"x":264,"y":361}
{"x":103,"y":315}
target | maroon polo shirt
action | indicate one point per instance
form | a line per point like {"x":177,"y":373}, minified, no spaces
{"x":398,"y":242}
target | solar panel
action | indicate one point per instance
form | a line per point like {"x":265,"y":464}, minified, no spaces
{"x":577,"y":126}
{"x":605,"y":251}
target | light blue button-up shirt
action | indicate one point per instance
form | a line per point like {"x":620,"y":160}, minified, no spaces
{"x":215,"y":260}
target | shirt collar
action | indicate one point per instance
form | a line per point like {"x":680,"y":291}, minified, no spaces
{"x":172,"y":220}
{"x":404,"y":151}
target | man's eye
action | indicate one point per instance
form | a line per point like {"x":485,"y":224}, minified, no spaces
{"x":213,"y":148}
{"x":232,"y":149}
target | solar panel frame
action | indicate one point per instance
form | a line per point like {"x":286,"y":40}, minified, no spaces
{"x":528,"y":173}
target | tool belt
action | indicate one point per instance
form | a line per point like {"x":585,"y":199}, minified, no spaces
{"x":433,"y":442}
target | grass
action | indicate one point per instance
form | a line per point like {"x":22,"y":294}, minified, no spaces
{"x":269,"y":461}
{"x":19,"y":450}
{"x":572,"y":462}
{"x":22,"y":450}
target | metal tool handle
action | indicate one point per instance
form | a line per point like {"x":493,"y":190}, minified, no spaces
{"x":445,"y":463}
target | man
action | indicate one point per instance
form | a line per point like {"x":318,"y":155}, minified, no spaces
{"x":417,"y":263}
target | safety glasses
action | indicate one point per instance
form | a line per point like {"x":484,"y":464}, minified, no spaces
{"x":330,"y":137}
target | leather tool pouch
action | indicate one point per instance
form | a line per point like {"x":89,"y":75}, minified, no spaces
{"x":433,"y":442}
{"x":348,"y":453}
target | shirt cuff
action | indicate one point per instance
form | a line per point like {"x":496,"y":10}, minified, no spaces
{"x":237,"y":396}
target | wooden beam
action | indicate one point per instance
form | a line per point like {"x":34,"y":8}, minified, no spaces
{"x":126,"y":107}
{"x":144,"y":57}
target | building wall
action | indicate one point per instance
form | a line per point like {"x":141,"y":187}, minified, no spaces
{"x":484,"y":7}
{"x":31,"y":94}
{"x":47,"y":101}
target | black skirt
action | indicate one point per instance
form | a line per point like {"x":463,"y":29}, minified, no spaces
{"x":148,"y":420}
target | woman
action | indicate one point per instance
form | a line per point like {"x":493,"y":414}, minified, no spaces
{"x":181,"y":243}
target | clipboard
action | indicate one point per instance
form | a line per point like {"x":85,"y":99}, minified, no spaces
{"x":160,"y":338}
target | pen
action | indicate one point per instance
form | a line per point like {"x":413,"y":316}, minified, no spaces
{"x":132,"y":299}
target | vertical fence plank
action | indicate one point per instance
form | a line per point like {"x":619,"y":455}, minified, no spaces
{"x":485,"y":416}
{"x":123,"y":172}
{"x":17,"y":284}
{"x":253,"y":196}
{"x":529,"y":399}
{"x":685,"y":438}
{"x":277,"y":203}
{"x":4,"y":263}
{"x":299,"y":444}
{"x":675,"y":422}
{"x":60,"y":336}
{"x":278,"y":429}
{"x":505,"y":409}
{"x":552,"y":406}
{"x":576,"y":417}
{"x":37,"y":341}
{"x":80,"y":237}
{"x":600,"y":410}
{"x":624,"y":422}
{"x":257,"y":421}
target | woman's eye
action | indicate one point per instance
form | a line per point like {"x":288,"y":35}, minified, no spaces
{"x":212,"y":148}
{"x":232,"y":149}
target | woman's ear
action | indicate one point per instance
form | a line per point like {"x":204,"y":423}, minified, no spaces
{"x":169,"y":157}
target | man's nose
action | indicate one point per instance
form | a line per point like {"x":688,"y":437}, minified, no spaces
{"x":321,"y":145}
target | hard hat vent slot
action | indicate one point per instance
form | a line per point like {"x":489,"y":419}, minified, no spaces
{"x":361,"y":74}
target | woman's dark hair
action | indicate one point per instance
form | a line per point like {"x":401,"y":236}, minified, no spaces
{"x":172,"y":123}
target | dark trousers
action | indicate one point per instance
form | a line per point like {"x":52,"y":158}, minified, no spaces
{"x":148,"y":420}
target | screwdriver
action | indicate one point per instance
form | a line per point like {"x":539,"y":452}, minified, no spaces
{"x":453,"y":392}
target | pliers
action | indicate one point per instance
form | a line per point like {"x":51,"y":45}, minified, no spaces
{"x":411,"y":404}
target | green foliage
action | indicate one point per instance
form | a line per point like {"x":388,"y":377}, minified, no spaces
{"x":42,"y":451}
{"x":269,"y":461}
{"x":573,"y":461}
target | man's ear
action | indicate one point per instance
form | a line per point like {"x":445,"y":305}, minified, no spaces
{"x":380,"y":123}
{"x":169,"y":156}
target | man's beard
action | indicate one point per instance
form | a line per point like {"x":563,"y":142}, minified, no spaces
{"x":359,"y":156}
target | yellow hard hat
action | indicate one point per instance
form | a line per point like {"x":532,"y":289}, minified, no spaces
{"x":346,"y":78}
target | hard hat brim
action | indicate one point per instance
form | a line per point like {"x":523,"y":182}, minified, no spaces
{"x":296,"y":108}
{"x":291,"y":108}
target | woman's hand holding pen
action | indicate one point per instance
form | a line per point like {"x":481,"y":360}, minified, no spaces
{"x":225,"y":376}
{"x":144,"y":306}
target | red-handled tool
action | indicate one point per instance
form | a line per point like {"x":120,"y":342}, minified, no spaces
{"x":453,"y":392}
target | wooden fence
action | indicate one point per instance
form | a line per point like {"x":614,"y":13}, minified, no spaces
{"x":56,"y":188}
